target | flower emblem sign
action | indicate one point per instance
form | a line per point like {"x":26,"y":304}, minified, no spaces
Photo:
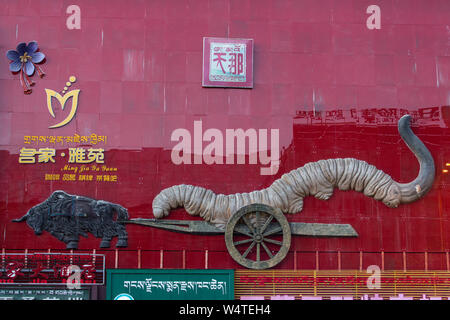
{"x":24,"y":60}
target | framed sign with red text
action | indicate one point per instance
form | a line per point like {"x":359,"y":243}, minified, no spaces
{"x":227,"y":62}
{"x":51,"y":268}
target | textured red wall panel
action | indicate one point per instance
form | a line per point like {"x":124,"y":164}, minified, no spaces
{"x":139,"y":64}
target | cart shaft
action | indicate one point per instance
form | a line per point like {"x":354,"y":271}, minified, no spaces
{"x":203,"y":227}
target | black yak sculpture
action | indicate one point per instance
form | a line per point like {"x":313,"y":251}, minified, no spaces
{"x":67,"y":217}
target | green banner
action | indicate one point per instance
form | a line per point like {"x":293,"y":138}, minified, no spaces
{"x":169,"y":284}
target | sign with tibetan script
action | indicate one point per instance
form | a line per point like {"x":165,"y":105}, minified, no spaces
{"x":67,"y":158}
{"x":51,"y":269}
{"x":227,"y":62}
{"x":157,"y":284}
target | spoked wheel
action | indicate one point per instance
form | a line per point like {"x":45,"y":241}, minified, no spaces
{"x":258,"y":236}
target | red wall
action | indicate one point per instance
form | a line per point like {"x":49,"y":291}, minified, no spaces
{"x":138,"y":65}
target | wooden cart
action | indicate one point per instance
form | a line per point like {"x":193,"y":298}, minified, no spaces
{"x":257,"y":236}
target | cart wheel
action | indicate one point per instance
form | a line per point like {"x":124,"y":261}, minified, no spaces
{"x":258,"y":236}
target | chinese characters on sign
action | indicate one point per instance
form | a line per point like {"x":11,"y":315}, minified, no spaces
{"x":91,"y":160}
{"x":351,"y":284}
{"x":85,"y":173}
{"x":79,"y":157}
{"x":76,"y":155}
{"x":44,"y":155}
{"x":50,"y":268}
{"x":430,"y":116}
{"x":227,"y":62}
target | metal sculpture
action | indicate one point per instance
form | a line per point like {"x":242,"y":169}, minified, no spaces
{"x":24,"y":60}
{"x":262,"y":225}
{"x":67,"y":217}
{"x":257,"y":233}
{"x":256,"y":226}
{"x":317,"y":179}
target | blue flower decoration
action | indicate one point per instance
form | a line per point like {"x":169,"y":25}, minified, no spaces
{"x":24,"y":59}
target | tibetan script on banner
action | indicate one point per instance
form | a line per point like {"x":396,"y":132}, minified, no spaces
{"x":150,"y":285}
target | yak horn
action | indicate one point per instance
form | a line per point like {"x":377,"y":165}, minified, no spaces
{"x":417,"y":188}
{"x":316,"y":179}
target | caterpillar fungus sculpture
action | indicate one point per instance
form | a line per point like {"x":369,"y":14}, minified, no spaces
{"x":313,"y":179}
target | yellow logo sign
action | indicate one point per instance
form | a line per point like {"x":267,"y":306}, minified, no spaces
{"x":62,"y":101}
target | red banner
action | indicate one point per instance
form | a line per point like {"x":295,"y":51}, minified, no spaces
{"x":52,"y":268}
{"x":326,"y":284}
